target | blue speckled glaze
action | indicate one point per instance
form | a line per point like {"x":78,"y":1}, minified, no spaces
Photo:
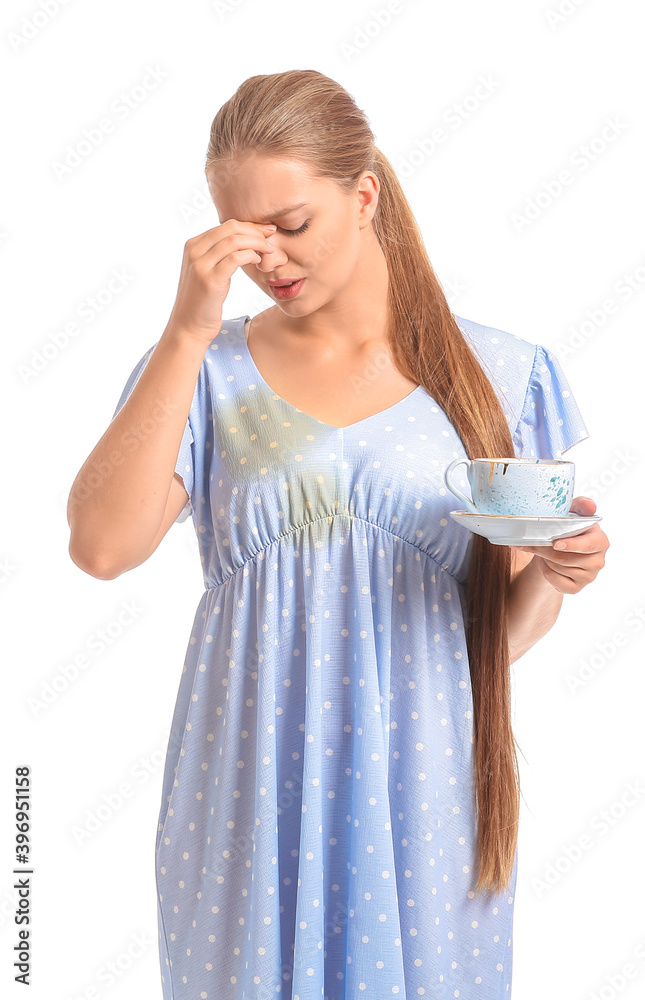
{"x":529,"y":488}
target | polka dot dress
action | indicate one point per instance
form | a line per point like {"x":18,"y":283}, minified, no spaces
{"x":316,"y":837}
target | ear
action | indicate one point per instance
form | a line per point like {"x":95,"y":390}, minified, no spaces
{"x":367,"y":192}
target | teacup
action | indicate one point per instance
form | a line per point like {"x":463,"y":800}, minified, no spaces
{"x":521,"y":487}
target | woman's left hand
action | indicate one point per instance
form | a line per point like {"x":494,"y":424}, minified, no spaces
{"x":569,"y":564}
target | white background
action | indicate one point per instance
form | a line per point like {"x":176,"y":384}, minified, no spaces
{"x":556,"y":81}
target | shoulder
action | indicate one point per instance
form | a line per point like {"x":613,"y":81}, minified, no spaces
{"x":498,"y":346}
{"x":507,"y":359}
{"x":532,"y":388}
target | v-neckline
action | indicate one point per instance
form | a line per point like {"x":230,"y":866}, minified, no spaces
{"x":333,"y":427}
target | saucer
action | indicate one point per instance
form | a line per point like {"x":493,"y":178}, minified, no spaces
{"x":512,"y":529}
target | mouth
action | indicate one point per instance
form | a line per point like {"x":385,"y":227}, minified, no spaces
{"x":285,"y":289}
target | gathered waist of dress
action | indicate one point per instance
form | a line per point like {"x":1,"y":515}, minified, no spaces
{"x":352,"y":518}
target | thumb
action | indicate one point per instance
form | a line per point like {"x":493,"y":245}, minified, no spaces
{"x":583,"y":505}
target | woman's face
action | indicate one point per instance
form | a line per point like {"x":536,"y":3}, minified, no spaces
{"x":321,"y":240}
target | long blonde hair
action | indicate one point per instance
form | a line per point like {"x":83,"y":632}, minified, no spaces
{"x":306,"y":116}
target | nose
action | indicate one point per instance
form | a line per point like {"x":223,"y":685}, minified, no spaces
{"x":271,"y":258}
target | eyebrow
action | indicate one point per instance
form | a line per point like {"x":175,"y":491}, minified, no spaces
{"x":282,"y":211}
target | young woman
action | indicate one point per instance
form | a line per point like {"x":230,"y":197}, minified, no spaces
{"x":340,"y":798}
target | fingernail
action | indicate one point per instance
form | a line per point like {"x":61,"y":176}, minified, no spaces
{"x":268,"y":226}
{"x":559,"y":545}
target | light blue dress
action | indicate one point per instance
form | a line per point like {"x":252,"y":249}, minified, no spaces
{"x":316,"y":838}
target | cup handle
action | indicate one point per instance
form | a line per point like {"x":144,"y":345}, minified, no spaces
{"x":453,"y":489}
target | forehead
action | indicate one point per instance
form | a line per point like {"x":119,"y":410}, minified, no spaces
{"x":262,"y":188}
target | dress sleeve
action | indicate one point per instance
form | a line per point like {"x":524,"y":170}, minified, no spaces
{"x":550,"y":422}
{"x":184,"y":466}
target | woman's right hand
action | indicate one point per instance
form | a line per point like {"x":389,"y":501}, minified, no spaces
{"x":208,"y":264}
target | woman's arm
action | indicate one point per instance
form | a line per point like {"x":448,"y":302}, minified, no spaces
{"x":533,"y":604}
{"x":119,"y":500}
{"x":536,"y":589}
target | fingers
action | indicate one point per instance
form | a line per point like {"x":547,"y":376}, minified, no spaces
{"x":583,"y":505}
{"x":561,"y":582}
{"x":571,"y":569}
{"x":574,"y":564}
{"x":592,"y":540}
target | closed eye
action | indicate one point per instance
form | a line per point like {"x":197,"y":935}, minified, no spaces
{"x":295,"y":232}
